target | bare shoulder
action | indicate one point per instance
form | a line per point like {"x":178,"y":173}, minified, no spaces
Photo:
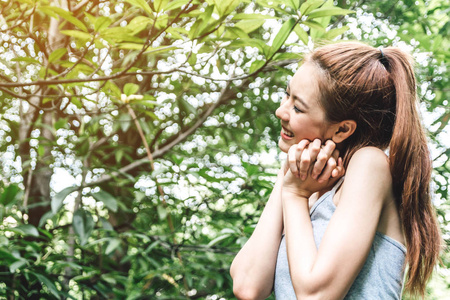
{"x":369,"y":169}
{"x":370,"y":159}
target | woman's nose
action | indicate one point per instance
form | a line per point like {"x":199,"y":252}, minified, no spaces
{"x":282,"y":113}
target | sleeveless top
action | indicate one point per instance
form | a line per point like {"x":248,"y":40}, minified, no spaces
{"x":381,"y":277}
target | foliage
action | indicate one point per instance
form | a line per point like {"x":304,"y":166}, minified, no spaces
{"x":135,"y":135}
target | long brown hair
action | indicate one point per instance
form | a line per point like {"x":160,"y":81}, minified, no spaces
{"x":377,"y":89}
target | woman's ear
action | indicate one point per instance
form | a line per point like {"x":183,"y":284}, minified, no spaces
{"x":343,"y":130}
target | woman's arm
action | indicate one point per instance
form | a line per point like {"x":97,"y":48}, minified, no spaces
{"x":253,"y":268}
{"x":328,"y":272}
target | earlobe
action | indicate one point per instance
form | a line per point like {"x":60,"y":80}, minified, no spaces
{"x":343,"y":130}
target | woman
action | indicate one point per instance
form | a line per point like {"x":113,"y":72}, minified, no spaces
{"x":323,"y":237}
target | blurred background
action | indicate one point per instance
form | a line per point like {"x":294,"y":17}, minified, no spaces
{"x":138,"y":141}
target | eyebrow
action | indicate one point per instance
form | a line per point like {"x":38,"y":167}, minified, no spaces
{"x":297,"y":98}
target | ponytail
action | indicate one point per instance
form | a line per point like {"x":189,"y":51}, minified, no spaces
{"x":410,"y":165}
{"x":377,"y":89}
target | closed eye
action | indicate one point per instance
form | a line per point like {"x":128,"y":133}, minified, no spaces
{"x":297,"y":110}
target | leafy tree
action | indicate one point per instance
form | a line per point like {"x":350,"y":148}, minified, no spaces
{"x":160,"y":114}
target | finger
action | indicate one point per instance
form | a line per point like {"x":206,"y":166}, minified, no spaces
{"x":335,"y":155}
{"x":285,"y":167}
{"x":298,"y":153}
{"x":326,"y":173}
{"x":339,"y":171}
{"x":324,"y":155}
{"x":329,"y":147}
{"x":292,"y":161}
{"x":305,"y":161}
{"x":314,"y":149}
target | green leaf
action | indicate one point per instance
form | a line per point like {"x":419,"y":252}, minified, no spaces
{"x":331,"y":34}
{"x":261,"y":45}
{"x":106,"y":225}
{"x":308,"y":6}
{"x":130,"y":46}
{"x":301,"y":33}
{"x":160,"y":5}
{"x":252,"y":16}
{"x":162,"y":212}
{"x":102,"y":23}
{"x":66,"y":15}
{"x":250,"y":25}
{"x":41,"y":150}
{"x":9,"y":194}
{"x":57,"y":54}
{"x":130,"y":89}
{"x":138,"y":24}
{"x":314,"y":25}
{"x":91,"y":18}
{"x":142,"y":4}
{"x":112,"y":245}
{"x":114,"y":89}
{"x":50,"y":285}
{"x":118,"y":154}
{"x":77,"y":102}
{"x":120,"y":34}
{"x":195,"y":28}
{"x":83,"y":224}
{"x":27,"y":229}
{"x":77,"y":34}
{"x":58,"y":199}
{"x":218,"y":239}
{"x":175,"y":4}
{"x":17,"y":265}
{"x":328,"y":11}
{"x":256,"y":65}
{"x":61,"y":123}
{"x":110,"y":279}
{"x":192,"y":60}
{"x":287,"y":56}
{"x":108,"y":200}
{"x":282,"y":35}
{"x":26,"y":59}
{"x":47,"y":11}
{"x":125,"y":122}
{"x":225,"y":7}
{"x":186,"y":107}
{"x":236,"y":32}
{"x":48,"y":215}
{"x":295,"y":4}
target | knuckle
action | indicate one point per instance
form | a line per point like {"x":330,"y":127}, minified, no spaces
{"x":332,"y":164}
{"x":305,"y":161}
{"x":330,"y":143}
{"x":322,"y":157}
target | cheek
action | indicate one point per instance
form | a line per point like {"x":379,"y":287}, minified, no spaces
{"x":310,"y":130}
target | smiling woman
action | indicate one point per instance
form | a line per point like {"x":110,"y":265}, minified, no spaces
{"x":300,"y":112}
{"x":323,"y":237}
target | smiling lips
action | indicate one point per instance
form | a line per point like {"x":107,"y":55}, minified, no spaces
{"x":286,"y":134}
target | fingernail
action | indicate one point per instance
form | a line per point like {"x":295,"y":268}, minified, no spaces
{"x":320,"y":181}
{"x":303,"y":177}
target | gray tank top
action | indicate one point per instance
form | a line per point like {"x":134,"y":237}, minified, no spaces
{"x":381,"y":276}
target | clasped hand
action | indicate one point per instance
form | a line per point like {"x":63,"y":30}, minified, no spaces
{"x":311,"y":167}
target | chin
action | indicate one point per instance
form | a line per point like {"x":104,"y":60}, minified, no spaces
{"x":283,"y":146}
